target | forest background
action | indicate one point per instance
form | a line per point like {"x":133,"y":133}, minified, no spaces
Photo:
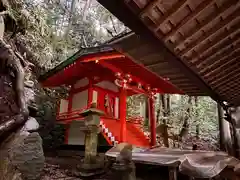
{"x":53,"y":30}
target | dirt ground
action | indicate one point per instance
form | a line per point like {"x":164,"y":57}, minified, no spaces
{"x":65,"y":168}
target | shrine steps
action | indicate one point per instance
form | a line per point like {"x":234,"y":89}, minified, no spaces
{"x":134,"y":135}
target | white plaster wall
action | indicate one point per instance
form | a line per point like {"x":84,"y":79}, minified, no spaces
{"x":63,"y":106}
{"x":80,"y":100}
{"x":95,"y":96}
{"x":108,"y":85}
{"x":116,"y":108}
{"x":143,"y":109}
{"x":81,"y":83}
{"x":76,"y":136}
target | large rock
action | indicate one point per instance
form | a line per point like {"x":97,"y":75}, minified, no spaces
{"x":22,"y":157}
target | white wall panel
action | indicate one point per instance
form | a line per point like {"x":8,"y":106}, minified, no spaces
{"x":108,"y":85}
{"x":63,"y":106}
{"x":76,"y":136}
{"x":80,"y":100}
{"x":81,"y":83}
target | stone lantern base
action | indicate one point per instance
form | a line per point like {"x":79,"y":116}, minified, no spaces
{"x":89,"y":170}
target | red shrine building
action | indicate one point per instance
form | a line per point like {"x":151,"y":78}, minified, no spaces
{"x":106,"y":77}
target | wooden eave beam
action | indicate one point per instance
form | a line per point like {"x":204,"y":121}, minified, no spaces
{"x":233,"y":91}
{"x":180,"y":4}
{"x":148,"y":7}
{"x":233,"y":94}
{"x":210,"y":66}
{"x":228,"y":77}
{"x":215,"y":15}
{"x":223,"y":69}
{"x":222,"y":52}
{"x":117,"y":8}
{"x":215,"y":46}
{"x":159,"y":64}
{"x":190,"y":17}
{"x":213,"y":31}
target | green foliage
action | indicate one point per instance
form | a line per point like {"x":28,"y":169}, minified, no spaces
{"x":203,"y":114}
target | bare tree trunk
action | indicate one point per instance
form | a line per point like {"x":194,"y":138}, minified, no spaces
{"x":196,"y":118}
{"x":165,"y":116}
{"x":159,"y":108}
{"x":71,"y":17}
{"x":164,"y":105}
{"x":185,"y":128}
{"x":168,"y":99}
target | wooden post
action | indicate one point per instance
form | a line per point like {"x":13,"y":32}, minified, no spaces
{"x":66,"y":137}
{"x":123,"y":114}
{"x":90,"y":93}
{"x":224,"y":132}
{"x":152,"y":120}
{"x":221,"y":128}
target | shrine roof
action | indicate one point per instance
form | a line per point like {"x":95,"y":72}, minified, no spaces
{"x":199,"y":40}
{"x":104,"y":62}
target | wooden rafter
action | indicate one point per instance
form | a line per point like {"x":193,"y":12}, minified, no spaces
{"x":216,"y":47}
{"x":230,"y":93}
{"x":149,"y":6}
{"x":233,"y":54}
{"x":192,"y":16}
{"x":215,"y":15}
{"x":230,"y":77}
{"x":222,"y":80}
{"x":222,"y":70}
{"x":180,"y":4}
{"x":226,"y":54}
{"x":219,"y":26}
{"x":229,"y":45}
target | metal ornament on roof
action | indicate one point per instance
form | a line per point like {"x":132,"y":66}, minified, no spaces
{"x":124,"y":82}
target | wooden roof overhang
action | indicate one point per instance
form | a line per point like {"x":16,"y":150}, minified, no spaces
{"x":199,"y":38}
{"x":104,"y":63}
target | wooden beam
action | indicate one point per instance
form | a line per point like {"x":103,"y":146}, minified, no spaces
{"x":180,"y":4}
{"x":213,"y":31}
{"x":223,"y":52}
{"x":230,"y":85}
{"x":218,"y":62}
{"x":215,"y":15}
{"x":190,"y":17}
{"x":222,"y":69}
{"x":231,"y":90}
{"x":228,"y":78}
{"x":149,"y":6}
{"x":159,"y":63}
{"x":220,"y":42}
{"x":117,"y":8}
{"x":233,"y":97}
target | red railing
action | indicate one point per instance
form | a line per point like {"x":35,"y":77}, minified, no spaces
{"x":76,"y":115}
{"x":135,"y":119}
{"x":70,"y":115}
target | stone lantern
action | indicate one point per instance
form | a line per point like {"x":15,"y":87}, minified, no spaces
{"x":92,"y":165}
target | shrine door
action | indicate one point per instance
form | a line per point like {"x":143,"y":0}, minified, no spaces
{"x":106,"y":103}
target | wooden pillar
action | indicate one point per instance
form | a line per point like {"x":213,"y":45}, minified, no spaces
{"x":224,"y":132}
{"x":70,"y":99}
{"x":90,"y":93}
{"x":66,"y":136}
{"x":152,"y":120}
{"x":123,"y":114}
{"x":221,"y":131}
